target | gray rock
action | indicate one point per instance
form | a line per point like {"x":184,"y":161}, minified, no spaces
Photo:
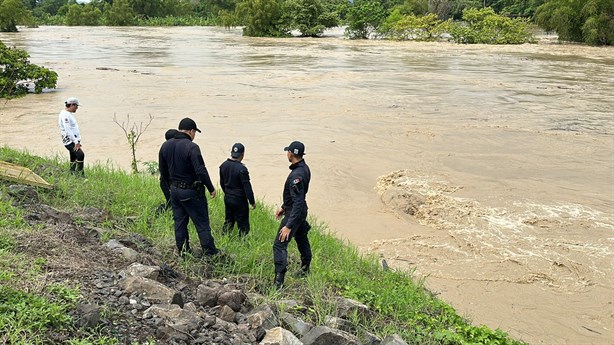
{"x":338,"y":323}
{"x":206,"y":296}
{"x":323,"y":335}
{"x":234,"y":299}
{"x":140,"y":270}
{"x":280,"y":336}
{"x":347,"y":306}
{"x":227,"y":314}
{"x":263,"y":317}
{"x":295,"y":324}
{"x":88,"y":315}
{"x":152,"y":290}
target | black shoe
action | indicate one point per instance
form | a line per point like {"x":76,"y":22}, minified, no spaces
{"x":279,"y":280}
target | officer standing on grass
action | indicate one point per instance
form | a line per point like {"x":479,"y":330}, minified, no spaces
{"x":183,"y":168}
{"x":164,"y":185}
{"x":294,"y":212}
{"x":234,"y":181}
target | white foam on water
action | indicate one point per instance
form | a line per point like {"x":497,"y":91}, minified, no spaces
{"x":537,"y":236}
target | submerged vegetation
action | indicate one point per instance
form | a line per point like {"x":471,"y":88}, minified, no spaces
{"x":18,"y":76}
{"x":34,"y":311}
{"x":504,"y":22}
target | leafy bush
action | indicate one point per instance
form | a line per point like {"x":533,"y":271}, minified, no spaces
{"x":18,"y":75}
{"x":363,"y":18}
{"x":262,"y":18}
{"x":411,"y":27}
{"x":309,"y":16}
{"x":486,"y":27}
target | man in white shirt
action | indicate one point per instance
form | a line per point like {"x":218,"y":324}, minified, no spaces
{"x":71,"y":137}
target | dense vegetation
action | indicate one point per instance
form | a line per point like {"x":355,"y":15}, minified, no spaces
{"x":18,"y":76}
{"x":31,"y":309}
{"x":589,"y":21}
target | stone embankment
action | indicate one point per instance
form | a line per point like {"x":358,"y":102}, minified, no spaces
{"x":128,"y":295}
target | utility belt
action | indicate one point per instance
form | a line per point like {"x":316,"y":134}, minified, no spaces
{"x":183,"y":185}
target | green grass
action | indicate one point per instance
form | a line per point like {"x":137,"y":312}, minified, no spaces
{"x":401,"y":303}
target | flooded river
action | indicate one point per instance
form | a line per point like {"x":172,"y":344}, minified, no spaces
{"x":489,"y":170}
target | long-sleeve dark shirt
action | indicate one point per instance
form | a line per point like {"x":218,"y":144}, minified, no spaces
{"x":180,"y":160}
{"x":295,"y":191}
{"x":234,"y":180}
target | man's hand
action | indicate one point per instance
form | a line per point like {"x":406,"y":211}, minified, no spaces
{"x":213,"y":194}
{"x":284,"y":234}
{"x":253,"y":206}
{"x":279,"y":213}
{"x":77,"y":147}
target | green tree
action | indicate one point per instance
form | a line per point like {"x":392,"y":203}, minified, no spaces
{"x":18,"y":75}
{"x":212,"y":8}
{"x":589,"y":21}
{"x":417,"y":7}
{"x":412,"y":27}
{"x":309,"y":16}
{"x":515,"y":8}
{"x":13,"y":12}
{"x":50,"y":7}
{"x":487,"y":27}
{"x":446,"y":9}
{"x":262,"y":18}
{"x":119,"y":14}
{"x":160,"y":8}
{"x":83,"y":15}
{"x":363,"y":18}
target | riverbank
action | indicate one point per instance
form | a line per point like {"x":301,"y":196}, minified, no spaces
{"x":512,"y":144}
{"x":70,"y":227}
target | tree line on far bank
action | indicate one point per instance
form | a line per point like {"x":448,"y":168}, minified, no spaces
{"x":461,"y":21}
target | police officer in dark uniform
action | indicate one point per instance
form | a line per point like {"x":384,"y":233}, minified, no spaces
{"x":182,"y":166}
{"x":234,"y":180}
{"x":164,"y":185}
{"x":294,"y":212}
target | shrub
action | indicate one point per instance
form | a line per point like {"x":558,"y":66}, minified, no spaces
{"x":487,"y":27}
{"x":411,"y":27}
{"x":18,"y":75}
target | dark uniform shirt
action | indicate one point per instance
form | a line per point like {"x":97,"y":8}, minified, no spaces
{"x":295,"y":191}
{"x":234,"y":180}
{"x":180,"y":161}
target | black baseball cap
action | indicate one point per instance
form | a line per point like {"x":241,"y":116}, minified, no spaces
{"x":237,"y":150}
{"x":188,"y":124}
{"x":296,"y":147}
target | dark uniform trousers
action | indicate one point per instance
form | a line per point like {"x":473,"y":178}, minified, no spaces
{"x":189,"y":203}
{"x":76,"y":159}
{"x":237,"y":210}
{"x":280,"y":249}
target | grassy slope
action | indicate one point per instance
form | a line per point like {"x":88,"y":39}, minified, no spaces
{"x":403,"y":306}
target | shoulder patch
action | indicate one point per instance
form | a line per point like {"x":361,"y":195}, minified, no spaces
{"x":296,"y":181}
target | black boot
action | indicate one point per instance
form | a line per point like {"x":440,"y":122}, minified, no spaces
{"x":279,"y":280}
{"x":79,"y":169}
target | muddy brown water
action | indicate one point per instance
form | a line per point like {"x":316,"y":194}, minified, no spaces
{"x":507,"y":152}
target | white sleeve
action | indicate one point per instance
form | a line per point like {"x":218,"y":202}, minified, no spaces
{"x":65,"y":129}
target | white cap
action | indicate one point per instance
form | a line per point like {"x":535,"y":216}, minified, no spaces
{"x":72,"y":100}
